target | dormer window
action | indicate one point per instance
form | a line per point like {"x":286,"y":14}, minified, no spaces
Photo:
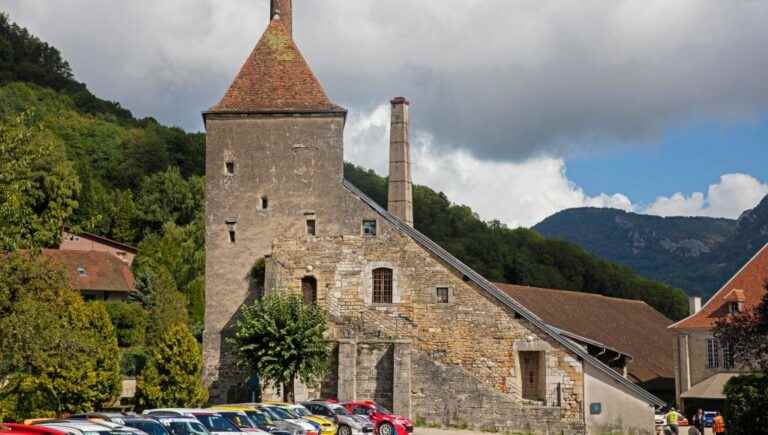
{"x":734,"y":307}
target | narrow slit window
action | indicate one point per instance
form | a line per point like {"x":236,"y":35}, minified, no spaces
{"x":442,"y":295}
{"x":231,"y":223}
{"x":232,"y":236}
{"x":230,"y":168}
{"x":264,"y":202}
{"x":369,"y":227}
{"x":311,"y":227}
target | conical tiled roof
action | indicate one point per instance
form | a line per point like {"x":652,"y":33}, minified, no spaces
{"x":275,"y":78}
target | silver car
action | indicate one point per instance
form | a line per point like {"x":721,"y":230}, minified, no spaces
{"x":348,"y":424}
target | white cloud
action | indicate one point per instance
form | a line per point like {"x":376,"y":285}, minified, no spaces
{"x":728,"y":198}
{"x":518,"y":194}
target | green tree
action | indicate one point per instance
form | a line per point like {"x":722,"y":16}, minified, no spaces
{"x":279,"y":338}
{"x":130,"y":322}
{"x":746,"y":402}
{"x":166,"y":197}
{"x":173,"y":375}
{"x":747,"y":335}
{"x":38,"y":187}
{"x":59,"y":353}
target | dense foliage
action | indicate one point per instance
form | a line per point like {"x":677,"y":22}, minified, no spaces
{"x":520,"y":256}
{"x":172,"y":376}
{"x":279,"y":338}
{"x":747,"y":334}
{"x":59,"y":354}
{"x":746,"y":402}
{"x":697,"y":254}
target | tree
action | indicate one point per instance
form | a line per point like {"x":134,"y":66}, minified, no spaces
{"x":59,"y":354}
{"x":38,"y":187}
{"x":279,"y":338}
{"x":167,"y":307}
{"x":130,"y":322}
{"x":747,"y":335}
{"x":166,"y":197}
{"x":173,"y":375}
{"x":746,"y":401}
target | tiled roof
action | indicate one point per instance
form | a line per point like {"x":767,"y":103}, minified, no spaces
{"x":628,"y":326}
{"x":275,"y":78}
{"x":493,"y":291}
{"x":750,"y":281}
{"x":101,"y":239}
{"x":94,"y":270}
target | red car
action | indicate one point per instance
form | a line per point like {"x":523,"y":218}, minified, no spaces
{"x":23,"y":429}
{"x":385,"y":422}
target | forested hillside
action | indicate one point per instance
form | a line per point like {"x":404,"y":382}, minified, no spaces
{"x":697,"y":254}
{"x":139,"y":182}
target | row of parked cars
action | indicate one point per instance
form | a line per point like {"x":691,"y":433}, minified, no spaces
{"x":318,"y":417}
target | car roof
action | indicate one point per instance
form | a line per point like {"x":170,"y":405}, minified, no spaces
{"x":26,"y":428}
{"x":83,"y":425}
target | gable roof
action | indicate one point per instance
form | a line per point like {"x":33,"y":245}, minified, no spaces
{"x":628,"y":326}
{"x":275,"y":79}
{"x":502,"y":297}
{"x":748,"y":284}
{"x":103,"y":240}
{"x":94,"y":270}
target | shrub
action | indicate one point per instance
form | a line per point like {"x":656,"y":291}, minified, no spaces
{"x":746,"y":402}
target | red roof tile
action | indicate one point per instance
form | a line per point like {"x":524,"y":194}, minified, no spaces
{"x":275,"y":78}
{"x":749,"y":281}
{"x":629,"y":326}
{"x":94,"y":270}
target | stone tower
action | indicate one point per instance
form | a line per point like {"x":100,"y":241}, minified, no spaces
{"x":400,"y":198}
{"x":274,"y":159}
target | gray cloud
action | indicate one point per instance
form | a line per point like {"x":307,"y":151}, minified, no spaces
{"x":506,"y":80}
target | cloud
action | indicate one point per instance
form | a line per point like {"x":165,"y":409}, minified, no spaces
{"x":728,"y":198}
{"x":517,"y":193}
{"x":502,"y":80}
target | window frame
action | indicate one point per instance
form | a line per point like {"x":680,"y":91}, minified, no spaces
{"x":375,"y":227}
{"x":728,"y":359}
{"x":713,"y":353}
{"x":383,"y":286}
{"x":229,"y":167}
{"x":439,"y":299}
{"x":311,"y":228}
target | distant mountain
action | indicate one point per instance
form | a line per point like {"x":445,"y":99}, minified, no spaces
{"x":696,"y":254}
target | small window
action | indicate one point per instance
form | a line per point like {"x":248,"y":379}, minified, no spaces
{"x":309,"y":290}
{"x":728,"y":360}
{"x":311,"y":227}
{"x":264,"y":202}
{"x":81,"y":271}
{"x":442,"y":295}
{"x":231,"y":223}
{"x":369,"y":227}
{"x":230,"y":168}
{"x":734,"y":307}
{"x":232,"y":236}
{"x":713,"y":354}
{"x":382,"y":286}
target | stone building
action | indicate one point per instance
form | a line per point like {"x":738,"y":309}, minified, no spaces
{"x":412,"y":327}
{"x":702,"y":364}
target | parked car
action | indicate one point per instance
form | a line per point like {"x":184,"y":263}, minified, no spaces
{"x":277,"y":413}
{"x":240,"y":419}
{"x":146,"y":424}
{"x":214,"y":422}
{"x":385,"y":422}
{"x":114,"y":417}
{"x":183,"y":425}
{"x":262,"y":420}
{"x":348,"y":424}
{"x":83,"y":427}
{"x":25,"y":429}
{"x":326,"y":426}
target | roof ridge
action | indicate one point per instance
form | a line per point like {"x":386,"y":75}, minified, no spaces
{"x":576,"y":292}
{"x":428,"y":244}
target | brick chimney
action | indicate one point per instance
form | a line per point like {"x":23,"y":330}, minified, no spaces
{"x":284,"y":8}
{"x":400,"y":199}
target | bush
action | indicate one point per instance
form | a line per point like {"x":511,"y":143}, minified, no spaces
{"x":746,"y":402}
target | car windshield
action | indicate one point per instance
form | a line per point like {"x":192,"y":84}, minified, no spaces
{"x":187,"y":428}
{"x":238,"y":419}
{"x":148,"y":426}
{"x":216,"y":423}
{"x":381,"y":409}
{"x":300,"y":411}
{"x":281,"y":413}
{"x":339,"y":410}
{"x":259,"y":418}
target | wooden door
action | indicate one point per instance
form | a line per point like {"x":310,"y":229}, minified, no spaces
{"x":529,"y":368}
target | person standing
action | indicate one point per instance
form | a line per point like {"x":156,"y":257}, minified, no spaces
{"x":672,"y":417}
{"x":698,"y":421}
{"x":718,"y":425}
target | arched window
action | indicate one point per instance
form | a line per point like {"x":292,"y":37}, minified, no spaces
{"x":309,"y":290}
{"x":382,"y":286}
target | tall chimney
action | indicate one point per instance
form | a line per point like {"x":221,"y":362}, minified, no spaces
{"x":284,"y":8}
{"x":694,"y":304}
{"x":400,"y":200}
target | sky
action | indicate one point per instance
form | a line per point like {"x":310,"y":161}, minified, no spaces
{"x":519,"y":108}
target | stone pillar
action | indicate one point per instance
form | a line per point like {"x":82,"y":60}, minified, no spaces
{"x":284,"y":8}
{"x":401,"y":382}
{"x":400,"y":198}
{"x":347,"y":377}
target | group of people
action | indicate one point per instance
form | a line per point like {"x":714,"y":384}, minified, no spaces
{"x":698,"y":421}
